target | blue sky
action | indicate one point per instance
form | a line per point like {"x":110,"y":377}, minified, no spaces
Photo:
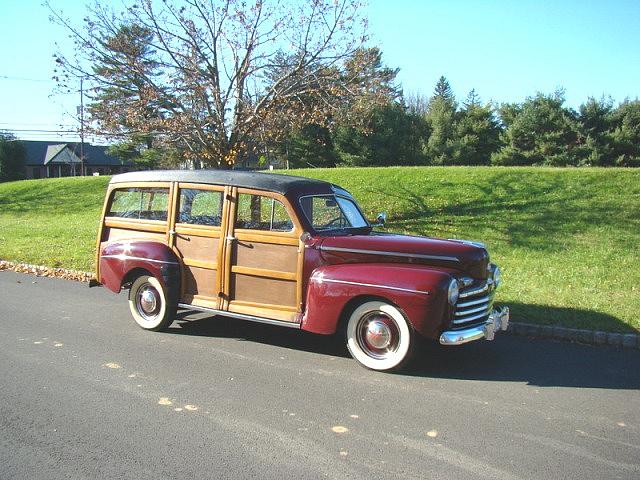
{"x":506,"y":50}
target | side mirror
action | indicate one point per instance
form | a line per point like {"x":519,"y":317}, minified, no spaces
{"x":381,"y":219}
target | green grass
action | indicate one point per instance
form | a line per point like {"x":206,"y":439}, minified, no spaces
{"x":51,"y":222}
{"x":568,"y":240}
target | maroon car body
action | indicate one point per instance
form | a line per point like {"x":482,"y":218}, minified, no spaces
{"x":293,"y":252}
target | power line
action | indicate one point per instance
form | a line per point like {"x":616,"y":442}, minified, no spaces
{"x":23,"y":79}
{"x":37,"y":124}
{"x":37,"y":130}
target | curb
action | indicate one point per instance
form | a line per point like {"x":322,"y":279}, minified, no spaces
{"x":42,"y":271}
{"x":575,"y":335}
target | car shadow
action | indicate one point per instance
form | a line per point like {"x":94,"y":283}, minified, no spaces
{"x":543,"y":363}
{"x":509,"y":358}
{"x":205,"y":325}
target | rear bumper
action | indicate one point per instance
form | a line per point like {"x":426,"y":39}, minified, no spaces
{"x":498,"y":320}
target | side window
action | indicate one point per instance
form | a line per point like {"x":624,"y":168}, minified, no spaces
{"x":324,"y":212}
{"x":140,"y":203}
{"x":200,"y":207}
{"x":256,"y":212}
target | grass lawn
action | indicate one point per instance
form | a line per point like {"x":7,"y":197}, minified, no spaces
{"x":567,"y":239}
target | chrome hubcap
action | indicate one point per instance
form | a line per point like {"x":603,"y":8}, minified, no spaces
{"x":147,"y":301}
{"x":378,"y":335}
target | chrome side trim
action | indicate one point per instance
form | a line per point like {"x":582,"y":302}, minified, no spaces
{"x":241,"y":316}
{"x":386,"y":287}
{"x":389,"y":254}
{"x":122,"y":256}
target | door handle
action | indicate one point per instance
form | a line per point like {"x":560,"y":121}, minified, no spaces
{"x":231,"y":238}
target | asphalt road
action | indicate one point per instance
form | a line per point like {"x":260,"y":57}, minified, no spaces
{"x":85,"y":393}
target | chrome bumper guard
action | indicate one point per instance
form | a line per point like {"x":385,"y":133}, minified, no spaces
{"x":498,"y":320}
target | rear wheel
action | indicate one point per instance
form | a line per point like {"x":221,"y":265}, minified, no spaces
{"x":379,"y":336}
{"x":148,"y":304}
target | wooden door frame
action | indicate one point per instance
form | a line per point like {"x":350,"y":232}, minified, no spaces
{"x":292,"y":238}
{"x":176,"y":228}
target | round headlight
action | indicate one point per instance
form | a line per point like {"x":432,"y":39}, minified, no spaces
{"x":497,"y":276}
{"x":453,"y":292}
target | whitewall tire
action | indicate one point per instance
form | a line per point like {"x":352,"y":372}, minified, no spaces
{"x":379,"y":336}
{"x":148,"y":304}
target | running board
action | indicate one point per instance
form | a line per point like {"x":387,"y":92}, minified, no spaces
{"x":241,"y":316}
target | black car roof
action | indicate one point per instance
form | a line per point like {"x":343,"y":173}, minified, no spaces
{"x":285,"y":184}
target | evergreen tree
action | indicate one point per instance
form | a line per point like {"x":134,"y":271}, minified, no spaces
{"x":311,"y":146}
{"x":12,"y":158}
{"x":595,"y":124}
{"x":441,"y":118}
{"x":392,"y":138}
{"x":625,"y":137}
{"x":477,"y":133}
{"x":542,"y":132}
{"x":443,"y":90}
{"x":472,"y":100}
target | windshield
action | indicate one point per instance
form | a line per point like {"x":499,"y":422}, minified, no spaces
{"x":330,"y":212}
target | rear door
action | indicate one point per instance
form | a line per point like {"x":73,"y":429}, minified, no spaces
{"x":197,"y":237}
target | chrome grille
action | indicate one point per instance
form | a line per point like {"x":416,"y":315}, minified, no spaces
{"x":474,"y":305}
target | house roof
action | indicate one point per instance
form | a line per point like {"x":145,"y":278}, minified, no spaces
{"x":285,"y":184}
{"x":60,"y":154}
{"x":45,"y":153}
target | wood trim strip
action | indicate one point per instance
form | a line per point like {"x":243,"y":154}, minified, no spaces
{"x":270,"y":306}
{"x":171,"y":212}
{"x":192,"y":262}
{"x":101,"y":230}
{"x":224,"y":258}
{"x":197,"y":230}
{"x":143,"y":225}
{"x":263,"y":272}
{"x":299,"y":271}
{"x":260,"y":310}
{"x":122,"y":186}
{"x":266,"y":237}
{"x":201,"y":186}
{"x":202,"y":301}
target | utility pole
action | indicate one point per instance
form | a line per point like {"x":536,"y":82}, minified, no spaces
{"x":82,"y":169}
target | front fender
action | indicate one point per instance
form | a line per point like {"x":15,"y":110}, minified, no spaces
{"x":419,"y":291}
{"x":117,"y":259}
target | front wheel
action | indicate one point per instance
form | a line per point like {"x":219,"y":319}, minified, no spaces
{"x":379,"y":336}
{"x":148,"y":304}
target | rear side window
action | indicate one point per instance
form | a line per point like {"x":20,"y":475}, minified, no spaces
{"x":140,"y":203}
{"x":200,"y":207}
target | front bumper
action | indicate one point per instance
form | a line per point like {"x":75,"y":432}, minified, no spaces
{"x":498,"y":320}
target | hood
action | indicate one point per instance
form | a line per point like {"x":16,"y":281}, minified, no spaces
{"x":467,"y":257}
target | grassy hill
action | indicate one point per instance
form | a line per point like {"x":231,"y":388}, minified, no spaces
{"x":567,"y":239}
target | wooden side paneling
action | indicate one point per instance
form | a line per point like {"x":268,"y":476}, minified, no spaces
{"x":259,"y":290}
{"x":200,"y":281}
{"x":281,"y":258}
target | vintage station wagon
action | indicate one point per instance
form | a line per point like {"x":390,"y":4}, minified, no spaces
{"x":289,"y":251}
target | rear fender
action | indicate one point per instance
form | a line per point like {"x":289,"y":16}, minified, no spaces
{"x":119,"y":259}
{"x":420,"y":292}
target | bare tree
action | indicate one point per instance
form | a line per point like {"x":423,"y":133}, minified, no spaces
{"x":214,"y":78}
